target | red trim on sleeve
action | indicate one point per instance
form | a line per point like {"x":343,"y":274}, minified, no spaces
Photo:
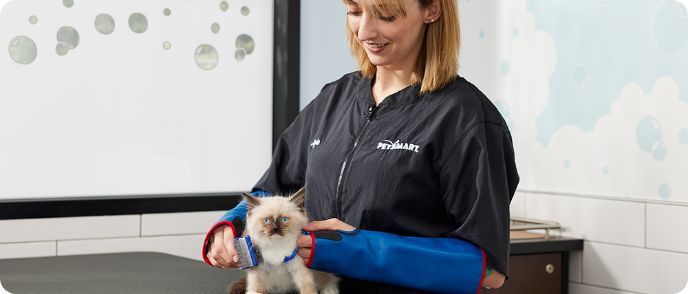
{"x":310,"y":258}
{"x":482,"y":276}
{"x":204,"y":253}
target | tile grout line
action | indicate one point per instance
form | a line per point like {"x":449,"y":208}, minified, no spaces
{"x":607,"y":288}
{"x":637,"y":247}
{"x":645,"y":223}
{"x":610,"y":198}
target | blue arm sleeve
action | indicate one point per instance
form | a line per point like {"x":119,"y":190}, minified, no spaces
{"x":237,"y":215}
{"x":235,"y":218}
{"x":445,"y":265}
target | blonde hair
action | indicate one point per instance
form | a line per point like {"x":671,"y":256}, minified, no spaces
{"x":438,"y":60}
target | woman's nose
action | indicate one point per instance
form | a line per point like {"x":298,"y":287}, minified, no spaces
{"x":367,"y":27}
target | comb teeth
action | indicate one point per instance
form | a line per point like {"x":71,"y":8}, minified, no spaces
{"x":249,"y":256}
{"x":259,"y":256}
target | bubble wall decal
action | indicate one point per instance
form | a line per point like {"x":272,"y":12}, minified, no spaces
{"x":683,"y":136}
{"x":167,"y":12}
{"x":239,"y":54}
{"x":648,"y":133}
{"x":245,"y":42}
{"x":206,"y":57}
{"x":33,"y":19}
{"x":62,"y":48}
{"x":68,"y":3}
{"x":105,"y":24}
{"x":215,"y":28}
{"x":138,"y":23}
{"x":504,"y":67}
{"x":68,"y":35}
{"x":669,"y":26}
{"x":166,"y":45}
{"x":245,"y":11}
{"x":224,"y":5}
{"x":664,"y":191}
{"x":23,"y":50}
{"x":659,"y":152}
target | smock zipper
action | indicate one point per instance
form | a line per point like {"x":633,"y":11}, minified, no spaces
{"x":371,"y":112}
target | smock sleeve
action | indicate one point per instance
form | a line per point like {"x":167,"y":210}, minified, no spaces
{"x":478,"y":180}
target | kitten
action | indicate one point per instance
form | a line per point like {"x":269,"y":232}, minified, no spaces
{"x":274,"y":224}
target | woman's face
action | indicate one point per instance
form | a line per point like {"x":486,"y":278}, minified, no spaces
{"x":392,"y":42}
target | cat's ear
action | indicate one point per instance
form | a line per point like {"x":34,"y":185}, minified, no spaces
{"x":250,"y":200}
{"x":299,"y":198}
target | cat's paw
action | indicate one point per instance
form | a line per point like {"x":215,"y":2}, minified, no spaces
{"x":330,"y":290}
{"x":253,"y":292}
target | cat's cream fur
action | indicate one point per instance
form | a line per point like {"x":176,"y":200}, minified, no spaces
{"x":277,"y":239}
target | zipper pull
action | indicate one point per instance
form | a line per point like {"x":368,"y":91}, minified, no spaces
{"x":371,"y":111}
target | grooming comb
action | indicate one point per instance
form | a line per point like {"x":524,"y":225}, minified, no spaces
{"x":249,"y":255}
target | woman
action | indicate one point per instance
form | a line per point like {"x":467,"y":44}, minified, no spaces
{"x":411,"y":166}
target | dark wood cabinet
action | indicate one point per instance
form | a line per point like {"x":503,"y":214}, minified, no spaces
{"x":534,"y":274}
{"x":539,"y":266}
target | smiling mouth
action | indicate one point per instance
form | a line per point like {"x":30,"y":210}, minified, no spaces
{"x":376,"y":45}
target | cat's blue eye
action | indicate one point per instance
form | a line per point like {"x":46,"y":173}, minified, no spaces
{"x":285,"y":219}
{"x":266,"y":221}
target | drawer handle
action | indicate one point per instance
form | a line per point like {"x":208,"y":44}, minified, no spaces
{"x":549,"y":268}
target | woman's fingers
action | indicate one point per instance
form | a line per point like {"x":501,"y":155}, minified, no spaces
{"x":304,"y":241}
{"x":328,"y":225}
{"x":228,"y":237}
{"x":305,"y":254}
{"x":217,"y":248}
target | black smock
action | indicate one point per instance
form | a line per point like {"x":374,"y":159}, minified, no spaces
{"x":436,"y":165}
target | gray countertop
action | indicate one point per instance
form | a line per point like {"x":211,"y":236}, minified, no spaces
{"x":140,"y":272}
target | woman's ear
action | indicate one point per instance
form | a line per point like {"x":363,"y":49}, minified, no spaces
{"x":433,"y":11}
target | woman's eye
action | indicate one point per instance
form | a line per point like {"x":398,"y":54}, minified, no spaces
{"x":387,"y":18}
{"x":285,"y":219}
{"x":266,"y":221}
{"x":353,"y":13}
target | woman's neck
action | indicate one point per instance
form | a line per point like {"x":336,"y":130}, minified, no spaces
{"x":387,"y":82}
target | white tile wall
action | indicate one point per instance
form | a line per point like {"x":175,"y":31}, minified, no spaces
{"x":518,"y":204}
{"x":609,"y":221}
{"x":616,"y":259}
{"x":186,"y":246}
{"x":576,"y":266}
{"x":21,"y":250}
{"x":667,"y":227}
{"x":178,"y":223}
{"x":27,"y":230}
{"x":634,"y":269}
{"x":575,"y":288}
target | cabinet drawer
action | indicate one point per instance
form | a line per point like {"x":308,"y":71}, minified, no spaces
{"x":533,"y":274}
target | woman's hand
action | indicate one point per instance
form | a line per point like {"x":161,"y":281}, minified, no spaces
{"x":494,"y":281}
{"x":221,"y":253}
{"x":304,"y":242}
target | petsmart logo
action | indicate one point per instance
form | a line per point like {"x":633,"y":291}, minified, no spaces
{"x":389,"y":145}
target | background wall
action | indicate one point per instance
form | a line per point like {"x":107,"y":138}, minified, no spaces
{"x":325,"y":51}
{"x":106,"y":97}
{"x":595,"y":94}
{"x":635,"y":237}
